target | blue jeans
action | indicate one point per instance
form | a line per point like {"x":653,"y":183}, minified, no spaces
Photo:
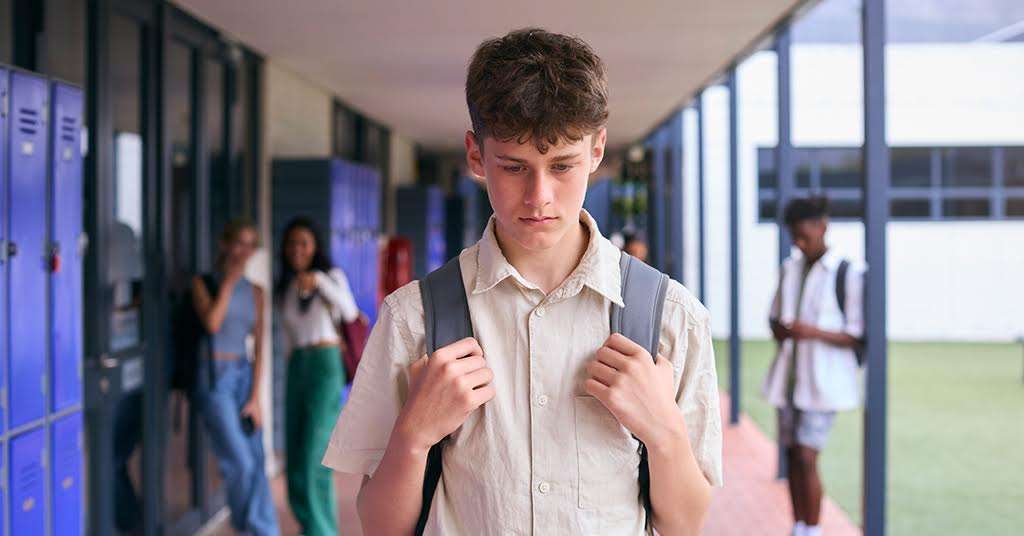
{"x":239,"y":455}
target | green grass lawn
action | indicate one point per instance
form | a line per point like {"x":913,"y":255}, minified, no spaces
{"x":956,"y":436}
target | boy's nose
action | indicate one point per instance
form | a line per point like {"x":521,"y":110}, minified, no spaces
{"x":539,"y":192}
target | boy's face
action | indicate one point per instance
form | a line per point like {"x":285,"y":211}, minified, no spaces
{"x":536,"y":197}
{"x":809,"y":237}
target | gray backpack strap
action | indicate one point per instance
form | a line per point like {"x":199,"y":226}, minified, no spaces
{"x":445,"y":320}
{"x":643,"y":292}
{"x":445,"y":309}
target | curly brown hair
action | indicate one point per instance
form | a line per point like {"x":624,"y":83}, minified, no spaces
{"x":536,"y":85}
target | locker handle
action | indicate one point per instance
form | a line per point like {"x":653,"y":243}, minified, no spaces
{"x":12,"y":250}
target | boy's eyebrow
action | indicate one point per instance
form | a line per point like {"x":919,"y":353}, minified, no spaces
{"x":560,"y":158}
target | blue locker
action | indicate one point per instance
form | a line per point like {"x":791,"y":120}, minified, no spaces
{"x":4,"y":95}
{"x":27,"y":232}
{"x":66,"y":222}
{"x":3,"y":489}
{"x":27,"y":483}
{"x":66,"y":475}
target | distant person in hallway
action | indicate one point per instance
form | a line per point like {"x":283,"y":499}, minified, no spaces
{"x":815,"y":372}
{"x":532,"y":420}
{"x":635,"y":247}
{"x":313,"y":298}
{"x":231,"y":312}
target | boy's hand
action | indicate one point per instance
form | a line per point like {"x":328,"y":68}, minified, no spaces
{"x":443,"y":390}
{"x":635,"y":389}
{"x":801,"y":331}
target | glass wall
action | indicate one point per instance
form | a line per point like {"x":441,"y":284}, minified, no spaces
{"x":955,"y":112}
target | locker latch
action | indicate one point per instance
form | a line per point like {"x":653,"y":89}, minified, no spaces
{"x":55,"y":257}
{"x":8,"y":249}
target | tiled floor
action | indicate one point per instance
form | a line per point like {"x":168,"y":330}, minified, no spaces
{"x":753,"y":502}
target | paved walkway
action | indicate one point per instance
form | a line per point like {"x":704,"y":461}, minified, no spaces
{"x":753,"y":502}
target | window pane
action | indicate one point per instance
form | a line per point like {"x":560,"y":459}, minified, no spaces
{"x":767,"y":179}
{"x":802,"y":164}
{"x":178,"y":465}
{"x":6,"y":33}
{"x":213,"y":114}
{"x":840,"y":168}
{"x":1014,"y":166}
{"x":967,"y":166}
{"x":965,"y":208}
{"x":910,"y":208}
{"x":62,"y":43}
{"x":766,"y":209}
{"x":1015,"y":208}
{"x":344,"y":133}
{"x":127,"y":263}
{"x":911,"y":167}
{"x":847,"y":209}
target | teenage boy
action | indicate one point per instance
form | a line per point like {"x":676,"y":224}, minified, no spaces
{"x":821,"y":336}
{"x":542,"y":409}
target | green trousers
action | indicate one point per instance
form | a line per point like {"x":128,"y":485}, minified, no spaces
{"x":315,"y":379}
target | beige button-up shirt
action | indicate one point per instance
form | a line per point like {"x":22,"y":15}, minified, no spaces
{"x":542,"y":457}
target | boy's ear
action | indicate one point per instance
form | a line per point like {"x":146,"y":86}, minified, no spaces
{"x":597,"y":149}
{"x":474,"y":155}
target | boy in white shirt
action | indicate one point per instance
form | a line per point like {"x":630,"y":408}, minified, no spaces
{"x":815,"y":373}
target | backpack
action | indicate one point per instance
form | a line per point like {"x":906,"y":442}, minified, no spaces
{"x":447,"y":319}
{"x":187,"y":333}
{"x":844,"y":267}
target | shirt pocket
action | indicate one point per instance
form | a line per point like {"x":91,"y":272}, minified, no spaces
{"x":608,"y":461}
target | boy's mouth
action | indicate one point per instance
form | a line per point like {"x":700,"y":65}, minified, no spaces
{"x":541,"y":220}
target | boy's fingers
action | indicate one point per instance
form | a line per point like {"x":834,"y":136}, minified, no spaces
{"x":417,"y":367}
{"x":601,"y":372}
{"x":462,"y":367}
{"x":459,"y":349}
{"x":596,"y":389}
{"x":623,"y":345}
{"x":612,"y":357}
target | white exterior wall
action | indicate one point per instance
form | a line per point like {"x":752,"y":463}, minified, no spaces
{"x":946,"y":280}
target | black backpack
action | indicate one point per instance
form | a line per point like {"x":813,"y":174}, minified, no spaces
{"x":187,"y":334}
{"x":442,"y":291}
{"x":844,"y":267}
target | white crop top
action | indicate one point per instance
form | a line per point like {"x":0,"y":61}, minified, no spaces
{"x":332,"y":303}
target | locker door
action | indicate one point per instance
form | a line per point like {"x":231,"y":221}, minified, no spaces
{"x":4,"y":114}
{"x":66,"y":221}
{"x":27,"y":300}
{"x":27,"y":483}
{"x":66,"y":475}
{"x":3,"y":490}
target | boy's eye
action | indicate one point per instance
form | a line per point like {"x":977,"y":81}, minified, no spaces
{"x":512,"y":169}
{"x":562,"y":167}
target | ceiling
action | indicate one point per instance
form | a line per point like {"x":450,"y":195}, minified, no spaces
{"x":403,"y":63}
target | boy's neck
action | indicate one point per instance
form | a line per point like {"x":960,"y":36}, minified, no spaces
{"x":548,"y":268}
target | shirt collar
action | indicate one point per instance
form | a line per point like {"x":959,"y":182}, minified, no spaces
{"x":598,"y":269}
{"x":830,"y":260}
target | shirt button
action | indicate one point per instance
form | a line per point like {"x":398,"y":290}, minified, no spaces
{"x":542,"y":400}
{"x":544,"y":487}
{"x":541,"y":311}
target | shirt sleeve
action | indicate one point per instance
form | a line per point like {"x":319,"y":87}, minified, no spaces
{"x":364,"y":427}
{"x":776,"y":311}
{"x":686,"y":336}
{"x":335,"y":289}
{"x":854,"y":307}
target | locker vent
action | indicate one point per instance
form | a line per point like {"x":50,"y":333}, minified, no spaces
{"x":68,"y":129}
{"x":28,"y":121}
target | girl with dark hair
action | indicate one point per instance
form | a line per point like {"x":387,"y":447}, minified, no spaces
{"x":313,"y":297}
{"x":230,"y":312}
